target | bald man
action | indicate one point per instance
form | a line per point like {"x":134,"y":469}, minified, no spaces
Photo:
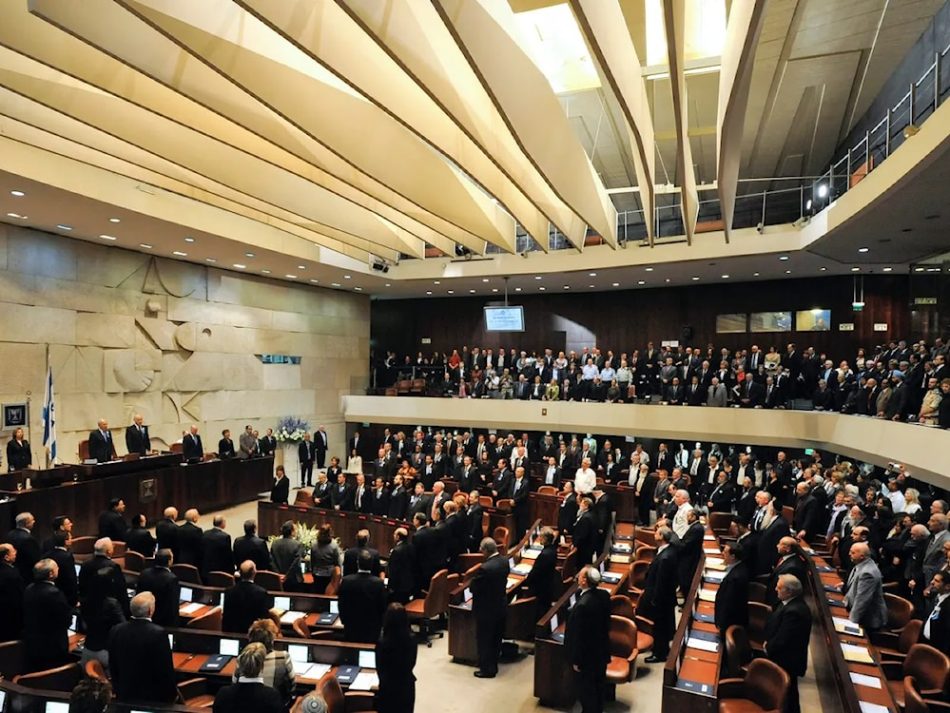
{"x":865,"y":595}
{"x":101,"y":447}
{"x":136,"y":436}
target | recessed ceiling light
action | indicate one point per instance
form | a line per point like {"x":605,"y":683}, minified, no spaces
{"x":451,"y":292}
{"x":265,"y":272}
{"x":16,"y":215}
{"x":542,"y":288}
{"x":590,"y":286}
{"x":114,"y":220}
{"x":313,"y":279}
{"x":494,"y":289}
{"x":615,"y":284}
{"x":388,"y":284}
{"x":108,"y":237}
{"x":517,"y":289}
{"x":358,"y":288}
{"x":347,"y":277}
{"x":537,"y":277}
{"x":428,"y":292}
{"x":248,"y":254}
{"x":484,"y":279}
{"x":592,"y":274}
{"x":643,"y":282}
{"x":649,"y":269}
{"x":862,"y":250}
{"x":918,"y":269}
{"x":788,"y":272}
{"x":145,"y":245}
{"x":567,"y":287}
{"x":783,"y":257}
{"x":291,"y":277}
{"x":725,"y":277}
{"x":695,"y":278}
{"x":823,"y":269}
{"x":18,"y":194}
{"x":210,"y":259}
{"x":240,"y":266}
{"x":189,"y":239}
{"x":667,"y":279}
{"x":755,"y":274}
{"x":436,"y":282}
{"x":855,"y":269}
{"x":301,"y":267}
{"x":179,"y":253}
{"x":64,"y":227}
{"x":337,"y":284}
{"x":887,"y":269}
{"x":471,"y":292}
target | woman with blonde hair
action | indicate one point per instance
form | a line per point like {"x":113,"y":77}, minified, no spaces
{"x":278,"y":671}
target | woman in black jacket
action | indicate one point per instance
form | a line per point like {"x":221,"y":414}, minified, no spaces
{"x":395,"y":659}
{"x":280,"y":490}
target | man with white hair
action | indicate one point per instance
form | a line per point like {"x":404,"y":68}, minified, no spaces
{"x":46,"y":617}
{"x":679,"y":522}
{"x":585,"y":479}
{"x":27,"y":547}
{"x":140,"y":657}
{"x":99,"y":579}
{"x":865,"y":594}
{"x":787,"y":633}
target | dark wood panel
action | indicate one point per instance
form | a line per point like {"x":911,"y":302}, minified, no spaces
{"x":623,"y":320}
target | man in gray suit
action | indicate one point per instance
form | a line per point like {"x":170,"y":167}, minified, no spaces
{"x":247,"y":444}
{"x":865,"y":594}
{"x":934,"y":557}
{"x":717,"y":394}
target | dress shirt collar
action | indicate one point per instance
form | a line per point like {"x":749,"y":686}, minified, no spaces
{"x":258,"y":679}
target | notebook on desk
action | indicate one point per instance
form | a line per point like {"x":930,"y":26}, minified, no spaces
{"x":327,"y":619}
{"x":215,"y":663}
{"x":555,"y":634}
{"x":705,"y":618}
{"x":694,"y":686}
{"x":611,"y":577}
{"x":521,"y":569}
{"x":347,"y":674}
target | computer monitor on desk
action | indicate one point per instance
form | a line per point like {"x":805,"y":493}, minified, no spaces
{"x":186,"y":594}
{"x":367,"y":659}
{"x":229,"y":647}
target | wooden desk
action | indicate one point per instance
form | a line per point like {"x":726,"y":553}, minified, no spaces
{"x":32,"y":700}
{"x":148,"y":486}
{"x":271,"y":516}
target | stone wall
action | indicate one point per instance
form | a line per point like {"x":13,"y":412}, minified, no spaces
{"x":128,"y":333}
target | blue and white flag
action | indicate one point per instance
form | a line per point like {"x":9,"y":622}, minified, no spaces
{"x":49,"y":418}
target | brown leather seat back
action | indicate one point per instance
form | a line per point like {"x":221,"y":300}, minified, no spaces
{"x":186,"y":573}
{"x":330,"y":689}
{"x":913,"y":701}
{"x":61,"y":678}
{"x":928,"y":666}
{"x":766,"y":685}
{"x":212,"y":621}
{"x":757,"y":591}
{"x":910,"y":635}
{"x":738,"y":650}
{"x":899,"y":611}
{"x":638,"y":573}
{"x":437,"y":599}
{"x":758,"y":616}
{"x":270,"y":581}
{"x":622,"y":606}
{"x":623,"y":637}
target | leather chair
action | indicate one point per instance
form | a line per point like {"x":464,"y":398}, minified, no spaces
{"x":468,"y":560}
{"x":82,"y":548}
{"x":304,"y":498}
{"x":738,"y":651}
{"x":520,"y":619}
{"x":194,"y":693}
{"x":927,"y":665}
{"x":134,"y":561}
{"x":94,"y":670}
{"x":11,"y":659}
{"x":271,"y":581}
{"x":434,"y":605}
{"x":916,"y":703}
{"x":645,"y":553}
{"x":337,"y":702}
{"x":763,"y":689}
{"x":418,"y":387}
{"x":622,"y":606}
{"x":187,"y":573}
{"x":62,"y":678}
{"x":623,"y":651}
{"x":569,"y":568}
{"x":500,"y":536}
{"x":899,"y":612}
{"x":758,"y":617}
{"x":636,"y":579}
{"x":757,"y":592}
{"x":333,"y":586}
{"x":719,"y":522}
{"x":895,"y":646}
{"x":220,"y":579}
{"x":300,"y":628}
{"x":210,"y":621}
{"x":547,"y":490}
{"x":486,"y":501}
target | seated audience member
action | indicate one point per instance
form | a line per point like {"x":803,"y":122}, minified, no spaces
{"x":251,"y":547}
{"x":46,"y":619}
{"x":90,"y":696}
{"x":245,"y":602}
{"x":138,"y":538}
{"x":249,"y":694}
{"x":324,"y":556}
{"x":163,"y":585}
{"x":278,"y":672}
{"x":395,"y":660}
{"x":351,"y":556}
{"x":141,"y":658}
{"x":362,"y":602}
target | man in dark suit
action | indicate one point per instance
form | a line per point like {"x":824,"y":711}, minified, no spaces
{"x":191,"y":447}
{"x":691,"y":549}
{"x":473,"y":520}
{"x":112,"y":523}
{"x":164,"y":587}
{"x":140,"y":657}
{"x":767,"y":545}
{"x":490,"y":606}
{"x":418,"y":502}
{"x":430,"y":548}
{"x":136,"y":436}
{"x":100,"y":579}
{"x":362,"y":598}
{"x":46,"y":619}
{"x":321,"y":444}
{"x":268,"y":444}
{"x":101,"y":446}
{"x":11,"y":595}
{"x":379,"y":498}
{"x":362,"y":498}
{"x":401,"y":568}
{"x":216,"y":555}
{"x":26,"y":546}
{"x":251,"y":547}
{"x":543,"y":578}
{"x":732,"y":596}
{"x":66,"y":581}
{"x":567,"y":511}
{"x":341,"y":494}
{"x":787,"y":633}
{"x":658,"y":600}
{"x":321,"y":491}
{"x":936,"y":629}
{"x":723,"y":495}
{"x":790,"y":561}
{"x":584,"y":537}
{"x":245,"y":602}
{"x":189,"y":537}
{"x":808,"y":512}
{"x":307,"y":453}
{"x":398,"y":500}
{"x":587,"y":640}
{"x":351,"y":557}
{"x":166,"y":531}
{"x":519,"y":504}
{"x":746,"y":505}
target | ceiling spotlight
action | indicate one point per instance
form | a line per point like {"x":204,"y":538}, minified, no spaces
{"x":388,"y":284}
{"x":240,"y":266}
{"x":643,"y":282}
{"x":291,"y":277}
{"x":886,"y":269}
{"x":265,"y":272}
{"x":179,"y":253}
{"x":436,"y":282}
{"x":542,"y":288}
{"x":808,"y":204}
{"x":567,"y":287}
{"x":725,"y":277}
{"x":428,"y":292}
{"x":210,"y":259}
{"x":537,"y":277}
{"x":918,"y":269}
{"x":755,"y":274}
{"x":615,"y":284}
{"x":16,"y":215}
{"x":667,"y":279}
{"x":64,"y":227}
{"x":451,"y":292}
{"x":108,"y":237}
{"x":189,"y":239}
{"x":337,"y":284}
{"x":494,"y":289}
{"x":471,"y":292}
{"x":517,"y":289}
{"x":783,"y":257}
{"x":822,"y":190}
{"x":484,"y":279}
{"x":788,"y":272}
{"x":648,"y":269}
{"x":114,"y":220}
{"x":145,"y":245}
{"x":347,"y":277}
{"x":863,"y":250}
{"x":695,"y":278}
{"x":314,"y":280}
{"x":823,"y":268}
{"x":358,"y":288}
{"x":592,"y":274}
{"x":18,"y":194}
{"x":248,"y":254}
{"x":855,"y":269}
{"x":301,"y":267}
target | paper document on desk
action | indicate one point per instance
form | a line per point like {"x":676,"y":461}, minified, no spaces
{"x":856,"y":654}
{"x":620,"y":559}
{"x":511,"y":582}
{"x":315,"y":672}
{"x":713,"y":576}
{"x":872,"y":707}
{"x":846,"y":626}
{"x":862,"y":680}
{"x":521,"y":569}
{"x":696,"y":643}
{"x":289,"y":617}
{"x":530,"y":554}
{"x":712,"y":550}
{"x":709,"y":537}
{"x":190,"y":608}
{"x":365,"y":681}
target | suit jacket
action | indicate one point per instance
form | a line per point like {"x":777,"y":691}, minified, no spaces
{"x":306,"y":451}
{"x":140,"y":661}
{"x":226,"y":448}
{"x":379,"y":502}
{"x":101,"y":447}
{"x":584,"y":538}
{"x":431,"y":554}
{"x":244,"y":603}
{"x":137,"y":441}
{"x":216,"y":554}
{"x":46,"y":618}
{"x":865,"y":596}
{"x":938,"y":614}
{"x":766,"y":553}
{"x":139,"y":539}
{"x":807,"y":517}
{"x":787,"y":632}
{"x":401,"y":570}
{"x":99,"y":579}
{"x":722,"y":497}
{"x":280,"y":490}
{"x":541,"y":579}
{"x":163,"y":584}
{"x":746,"y":505}
{"x":67,"y":581}
{"x":363,"y":501}
{"x":320,"y":440}
{"x":284,"y":553}
{"x":790,"y":565}
{"x":503,"y":483}
{"x":191,"y":448}
{"x":362,"y":599}
{"x":19,"y":455}
{"x":659,"y":589}
{"x":321,"y":495}
{"x":341,"y":498}
{"x":398,"y":503}
{"x":248,"y":697}
{"x":113,"y":525}
{"x":166,"y":532}
{"x":732,"y":598}
{"x":932,"y":562}
{"x":252,"y":548}
{"x":248,"y":445}
{"x":267,"y":445}
{"x":189,"y":544}
{"x":351,"y":560}
{"x":489,"y":595}
{"x":567,"y":514}
{"x":587,"y":634}
{"x":27,"y":552}
{"x":11,"y":602}
{"x":473,"y":521}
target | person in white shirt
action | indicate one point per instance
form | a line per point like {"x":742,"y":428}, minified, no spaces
{"x":898,"y":504}
{"x":680,"y":523}
{"x":585,"y":480}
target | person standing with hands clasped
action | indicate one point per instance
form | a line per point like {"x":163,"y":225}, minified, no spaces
{"x":587,"y":638}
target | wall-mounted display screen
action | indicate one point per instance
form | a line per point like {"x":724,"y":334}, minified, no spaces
{"x":731,"y":323}
{"x":504,"y":319}
{"x":813,"y":320}
{"x":770,"y":322}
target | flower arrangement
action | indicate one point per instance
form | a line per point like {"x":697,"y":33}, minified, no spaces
{"x":305,"y":535}
{"x":290,"y":429}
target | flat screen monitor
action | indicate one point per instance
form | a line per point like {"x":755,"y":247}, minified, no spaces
{"x":171,"y":641}
{"x":282,"y":603}
{"x":367,"y":659}
{"x":554,"y":623}
{"x":229,"y":647}
{"x":298,"y":653}
{"x":186,"y":594}
{"x":56,"y":707}
{"x":504,"y":319}
{"x":334,"y":606}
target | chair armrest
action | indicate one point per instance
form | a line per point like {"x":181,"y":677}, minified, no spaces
{"x":359,"y":701}
{"x":526,"y":602}
{"x":893,"y":670}
{"x":895,"y":656}
{"x":645,"y":625}
{"x":192,"y":688}
{"x":887,"y":639}
{"x":932,"y":694}
{"x":938,"y":705}
{"x":731,"y":688}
